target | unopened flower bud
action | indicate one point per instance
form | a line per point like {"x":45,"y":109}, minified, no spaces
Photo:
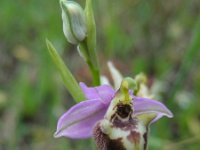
{"x":74,"y":21}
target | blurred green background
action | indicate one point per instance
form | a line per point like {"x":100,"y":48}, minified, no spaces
{"x":159,"y":38}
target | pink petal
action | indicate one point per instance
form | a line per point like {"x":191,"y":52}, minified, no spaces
{"x":80,"y":119}
{"x":103,"y":92}
{"x":145,"y":106}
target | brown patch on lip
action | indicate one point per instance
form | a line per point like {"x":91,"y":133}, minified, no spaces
{"x":104,"y":142}
{"x":134,"y":137}
{"x":122,"y":118}
{"x":124,"y":110}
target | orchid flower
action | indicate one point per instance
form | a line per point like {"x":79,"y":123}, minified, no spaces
{"x":108,"y":114}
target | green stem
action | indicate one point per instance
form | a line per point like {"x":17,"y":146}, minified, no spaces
{"x":91,"y":61}
{"x":95,"y":73}
{"x":90,"y":42}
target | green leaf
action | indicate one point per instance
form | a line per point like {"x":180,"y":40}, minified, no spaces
{"x":68,"y":79}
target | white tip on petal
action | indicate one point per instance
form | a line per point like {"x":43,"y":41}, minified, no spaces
{"x":116,"y":75}
{"x":104,"y":80}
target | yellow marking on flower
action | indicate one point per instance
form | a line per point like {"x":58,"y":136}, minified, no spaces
{"x":124,"y":89}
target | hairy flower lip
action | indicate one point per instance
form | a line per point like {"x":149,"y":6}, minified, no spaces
{"x":79,"y":120}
